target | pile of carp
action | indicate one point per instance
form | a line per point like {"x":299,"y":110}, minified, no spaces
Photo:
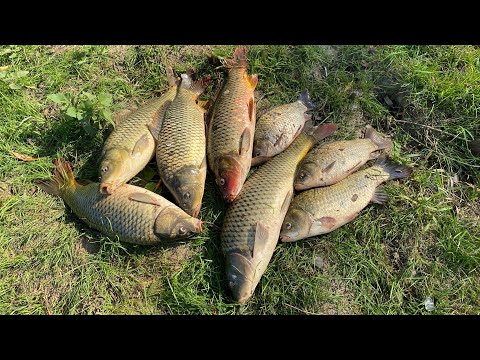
{"x":184,"y":137}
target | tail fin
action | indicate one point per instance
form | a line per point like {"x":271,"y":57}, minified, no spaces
{"x":239,"y":58}
{"x":324,"y":130}
{"x":172,"y":79}
{"x":62,"y":177}
{"x":304,"y":98}
{"x":198,"y":86}
{"x":379,"y":139}
{"x":395,"y":171}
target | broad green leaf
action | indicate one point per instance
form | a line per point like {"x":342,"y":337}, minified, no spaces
{"x":89,"y":96}
{"x":14,"y":86}
{"x":58,"y":98}
{"x":107,"y":114}
{"x":71,"y":111}
{"x":105,"y":99}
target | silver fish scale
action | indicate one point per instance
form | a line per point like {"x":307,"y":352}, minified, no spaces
{"x":261,"y":197}
{"x":182,"y":137}
{"x":115,"y":214}
{"x":130,"y":130}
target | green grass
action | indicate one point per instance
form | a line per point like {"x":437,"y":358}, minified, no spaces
{"x":424,"y":242}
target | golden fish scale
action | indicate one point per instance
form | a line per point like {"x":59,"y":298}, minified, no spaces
{"x":115,"y":214}
{"x":354,"y":151}
{"x":339,"y":200}
{"x":130,"y":130}
{"x":281,"y":119}
{"x":262,"y":196}
{"x":181,"y":141}
{"x":230,"y":116}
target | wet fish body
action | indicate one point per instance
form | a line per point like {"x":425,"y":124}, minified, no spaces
{"x":131,"y":214}
{"x":329,"y":163}
{"x":181,"y":154}
{"x":131,"y":145}
{"x":321,"y":210}
{"x":252,"y":222}
{"x":231,"y":127}
{"x":277,"y":128}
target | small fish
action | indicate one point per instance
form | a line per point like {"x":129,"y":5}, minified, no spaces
{"x":131,"y":214}
{"x":181,"y":154}
{"x":322,"y":210}
{"x":131,"y":144}
{"x":253,"y":221}
{"x":277,"y":128}
{"x":231,"y":127}
{"x":328,"y":164}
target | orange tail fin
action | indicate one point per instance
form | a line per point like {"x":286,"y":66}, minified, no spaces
{"x":62,"y":178}
{"x":239,"y":58}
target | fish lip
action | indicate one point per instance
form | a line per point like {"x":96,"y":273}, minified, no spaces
{"x":198,"y":225}
{"x":196,"y":211}
{"x":299,"y":186}
{"x":106,"y":188}
{"x":229,"y":197}
{"x":285,"y":238}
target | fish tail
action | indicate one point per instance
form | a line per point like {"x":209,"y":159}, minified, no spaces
{"x":379,"y":139}
{"x":198,"y":86}
{"x":62,"y":178}
{"x":394,"y":171}
{"x":172,"y":79}
{"x":304,"y":98}
{"x":239,"y":58}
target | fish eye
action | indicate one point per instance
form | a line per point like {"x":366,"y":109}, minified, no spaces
{"x":104,"y":169}
{"x":221,"y":181}
{"x":288,"y":226}
{"x":182,"y":230}
{"x":186,"y":196}
{"x":257,"y":153}
{"x":302,"y":175}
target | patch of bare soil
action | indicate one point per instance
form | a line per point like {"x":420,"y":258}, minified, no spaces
{"x":59,"y":49}
{"x":345,"y":305}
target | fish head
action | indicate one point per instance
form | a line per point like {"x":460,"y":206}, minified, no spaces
{"x":188,"y":185}
{"x":173,"y":223}
{"x":263,"y":150}
{"x":228,"y":177}
{"x":240,"y":276}
{"x":113,"y":170}
{"x":308,"y":176}
{"x":296,"y":225}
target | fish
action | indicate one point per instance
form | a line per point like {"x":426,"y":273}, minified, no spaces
{"x":277,"y":128}
{"x":329,"y":163}
{"x":130,"y":214}
{"x":231,"y":127}
{"x":252,"y":222}
{"x":132,"y":143}
{"x":321,"y":210}
{"x":181,"y":150}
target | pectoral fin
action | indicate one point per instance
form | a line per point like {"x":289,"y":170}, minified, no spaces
{"x":261,"y":238}
{"x":328,"y":222}
{"x":251,"y":109}
{"x":245,"y":142}
{"x":142,"y":144}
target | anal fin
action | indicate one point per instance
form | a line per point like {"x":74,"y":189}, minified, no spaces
{"x":380,"y":196}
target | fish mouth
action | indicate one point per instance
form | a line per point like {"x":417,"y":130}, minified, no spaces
{"x":285,"y":238}
{"x":230,"y":197}
{"x":194,"y":213}
{"x":198,"y":225}
{"x":107,"y":189}
{"x":300,"y":186}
